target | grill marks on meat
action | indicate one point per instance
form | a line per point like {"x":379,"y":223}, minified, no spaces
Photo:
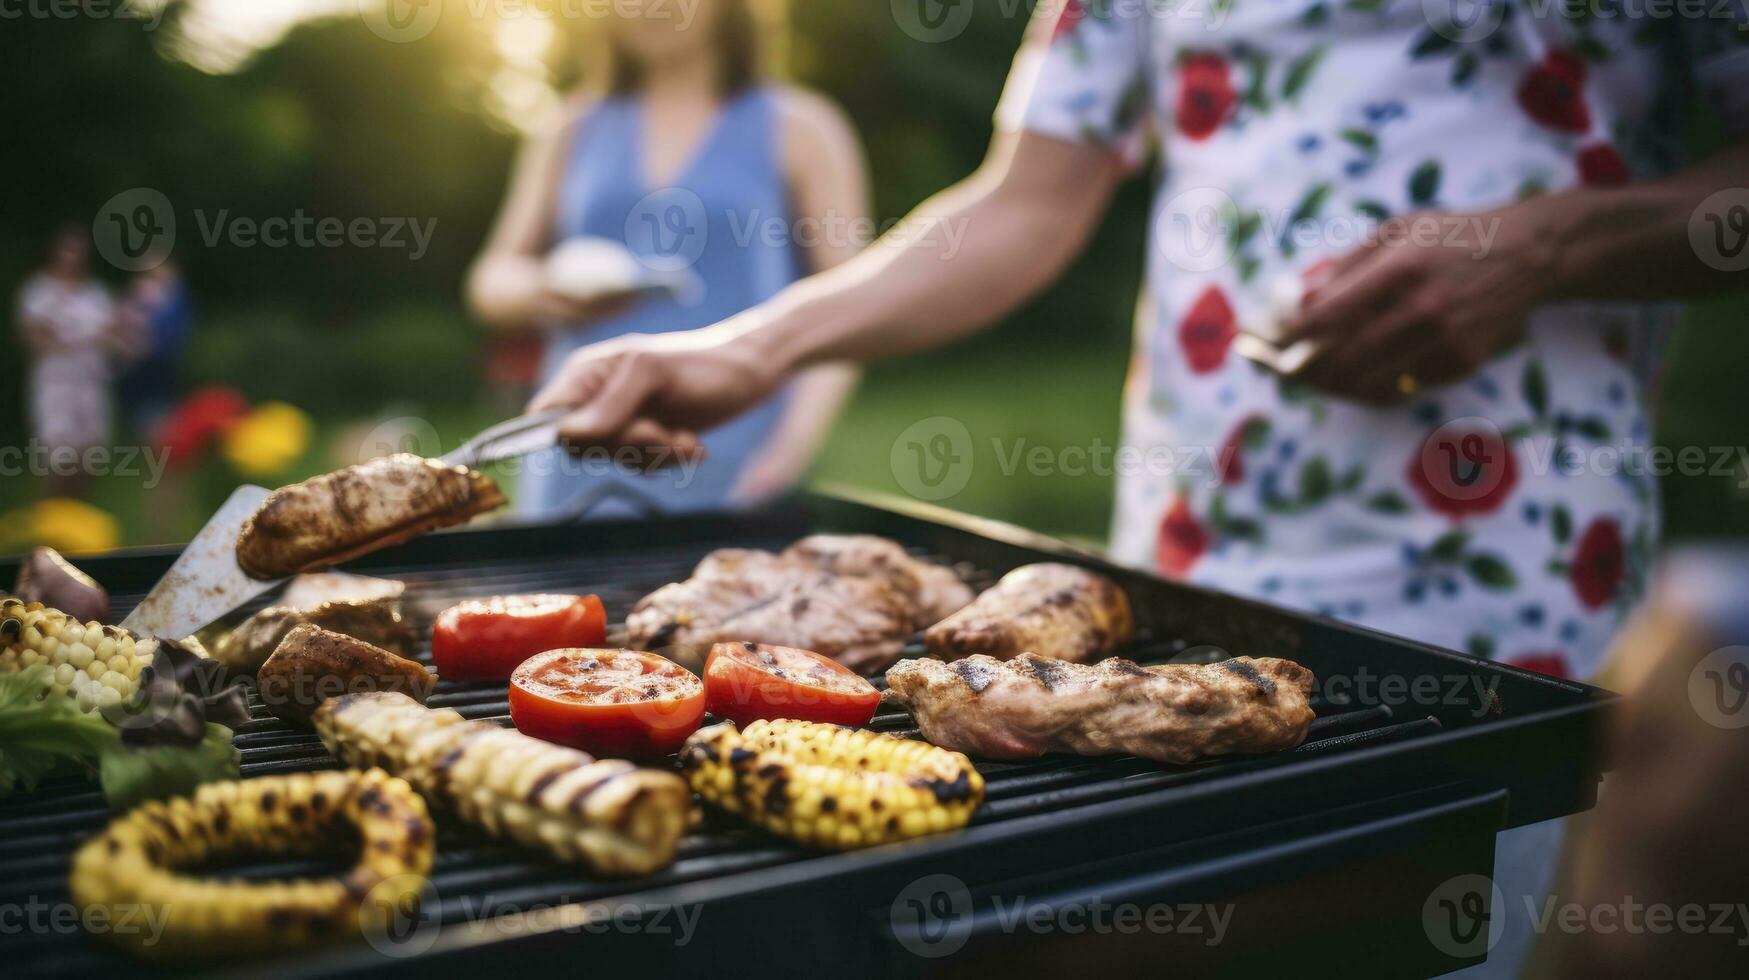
{"x":1059,"y":611}
{"x":341,"y":515}
{"x":855,"y":598}
{"x":1176,"y":713}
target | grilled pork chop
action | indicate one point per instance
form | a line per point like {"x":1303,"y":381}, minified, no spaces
{"x":1059,"y":611}
{"x":855,"y":599}
{"x":1177,"y":713}
{"x":338,"y":516}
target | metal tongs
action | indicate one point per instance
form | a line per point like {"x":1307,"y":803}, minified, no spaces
{"x":206,"y":583}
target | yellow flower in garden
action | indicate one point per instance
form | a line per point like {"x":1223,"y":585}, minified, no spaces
{"x":268,"y":440}
{"x":73,"y":526}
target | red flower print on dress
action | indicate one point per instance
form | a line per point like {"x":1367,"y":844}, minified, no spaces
{"x":1205,"y":94}
{"x":1553,"y":93}
{"x":1068,"y":19}
{"x":1602,"y":166}
{"x":1552,"y":663}
{"x":1182,"y":540}
{"x":1599,"y":564}
{"x":1230,"y":464}
{"x":1464,"y":471}
{"x":1207,"y":331}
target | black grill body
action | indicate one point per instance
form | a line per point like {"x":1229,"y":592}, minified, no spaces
{"x":1323,"y":859}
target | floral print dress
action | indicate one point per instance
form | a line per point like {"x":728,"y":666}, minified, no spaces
{"x":1511,"y":514}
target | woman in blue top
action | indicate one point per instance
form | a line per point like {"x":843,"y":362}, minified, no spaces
{"x":681,"y":152}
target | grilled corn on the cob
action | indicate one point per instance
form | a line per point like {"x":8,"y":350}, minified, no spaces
{"x":95,"y":665}
{"x":129,"y":869}
{"x":609,"y":815}
{"x":829,"y":786}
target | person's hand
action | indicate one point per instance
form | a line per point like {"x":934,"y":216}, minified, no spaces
{"x":656,"y":392}
{"x":1426,"y":306}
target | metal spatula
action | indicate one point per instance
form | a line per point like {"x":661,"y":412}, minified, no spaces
{"x":206,"y":582}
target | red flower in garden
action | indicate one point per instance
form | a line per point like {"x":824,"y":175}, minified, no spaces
{"x":1230,"y":464}
{"x":1553,"y":93}
{"x":1205,"y":94}
{"x":1601,"y":166}
{"x":1182,"y":540}
{"x":201,"y":418}
{"x":1069,"y":17}
{"x":1599,"y":564}
{"x":1208,"y":330}
{"x":1461,"y":472}
{"x":1553,"y":663}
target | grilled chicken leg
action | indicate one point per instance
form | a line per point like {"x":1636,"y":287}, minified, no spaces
{"x":1058,"y":611}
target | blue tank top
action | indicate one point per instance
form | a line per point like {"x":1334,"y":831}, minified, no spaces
{"x":725,"y":216}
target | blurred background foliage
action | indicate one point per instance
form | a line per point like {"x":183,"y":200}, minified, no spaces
{"x":328,"y":119}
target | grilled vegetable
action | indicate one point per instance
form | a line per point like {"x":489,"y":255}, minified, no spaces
{"x":609,"y":815}
{"x":832,"y":787}
{"x":42,"y":732}
{"x":487,"y":639}
{"x":313,"y":664}
{"x":95,"y":665}
{"x":130,"y":868}
{"x":745,"y":682}
{"x":618,"y":703}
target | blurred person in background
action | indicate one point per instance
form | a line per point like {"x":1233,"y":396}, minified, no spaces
{"x":69,"y":325}
{"x":680,"y":146}
{"x":161,"y":317}
{"x":1400,"y":475}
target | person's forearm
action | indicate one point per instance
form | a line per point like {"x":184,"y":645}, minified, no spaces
{"x":960,"y":261}
{"x":1633,"y":242}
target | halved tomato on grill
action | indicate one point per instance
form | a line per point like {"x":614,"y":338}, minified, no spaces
{"x":610,"y":703}
{"x":744,"y":682}
{"x":485,"y":639}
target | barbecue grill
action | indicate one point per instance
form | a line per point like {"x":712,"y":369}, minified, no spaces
{"x":1323,"y":860}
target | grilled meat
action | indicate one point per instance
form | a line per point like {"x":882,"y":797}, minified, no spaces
{"x":374,"y":621}
{"x":1177,"y":713}
{"x":1059,"y":611}
{"x":311,"y":590}
{"x":608,"y":815}
{"x":313,"y":664}
{"x":855,"y":599}
{"x":936,"y":589}
{"x":55,"y":582}
{"x":338,"y":516}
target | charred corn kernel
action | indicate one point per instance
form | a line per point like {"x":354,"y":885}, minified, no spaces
{"x":832,"y":787}
{"x":106,"y":656}
{"x":130,"y":868}
{"x":610,"y":815}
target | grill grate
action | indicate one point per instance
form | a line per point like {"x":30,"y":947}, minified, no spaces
{"x":39,"y":832}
